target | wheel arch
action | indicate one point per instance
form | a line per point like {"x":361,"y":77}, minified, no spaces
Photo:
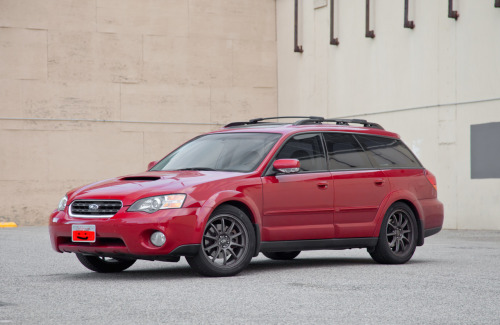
{"x":236,"y":199}
{"x":418,"y":219}
{"x":411,"y":201}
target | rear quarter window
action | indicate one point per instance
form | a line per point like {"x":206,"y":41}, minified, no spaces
{"x":388,"y":152}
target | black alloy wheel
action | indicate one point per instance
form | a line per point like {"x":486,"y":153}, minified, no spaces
{"x":228,"y":243}
{"x":103,"y":264}
{"x":398,"y":236}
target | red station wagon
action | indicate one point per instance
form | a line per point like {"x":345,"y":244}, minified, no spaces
{"x":257,"y":186}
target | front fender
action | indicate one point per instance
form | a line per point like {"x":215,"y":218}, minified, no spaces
{"x":229,"y":196}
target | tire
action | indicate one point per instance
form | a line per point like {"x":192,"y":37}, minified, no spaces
{"x":398,"y":236}
{"x":227,"y":245}
{"x":104,"y":264}
{"x":281,"y":256}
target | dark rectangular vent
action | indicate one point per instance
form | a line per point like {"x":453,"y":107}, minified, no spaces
{"x":140,"y":178}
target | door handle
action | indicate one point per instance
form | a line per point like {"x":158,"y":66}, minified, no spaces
{"x":379,"y":181}
{"x":322,"y":186}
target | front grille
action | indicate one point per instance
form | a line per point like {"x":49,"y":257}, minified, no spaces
{"x":94,"y":208}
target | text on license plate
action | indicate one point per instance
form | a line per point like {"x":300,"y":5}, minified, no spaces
{"x":83,"y":233}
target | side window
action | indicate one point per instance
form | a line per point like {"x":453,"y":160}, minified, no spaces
{"x":344,"y":152}
{"x":308,"y":149}
{"x":388,"y":152}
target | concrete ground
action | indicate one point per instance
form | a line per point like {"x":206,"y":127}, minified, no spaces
{"x":453,"y":279}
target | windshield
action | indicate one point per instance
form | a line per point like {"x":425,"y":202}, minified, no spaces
{"x":240,"y":152}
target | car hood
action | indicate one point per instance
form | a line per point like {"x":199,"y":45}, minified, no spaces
{"x":131,"y":188}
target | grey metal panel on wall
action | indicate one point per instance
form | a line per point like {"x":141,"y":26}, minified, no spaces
{"x":485,"y":150}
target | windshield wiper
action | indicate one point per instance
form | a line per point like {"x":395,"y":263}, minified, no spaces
{"x":195,"y":168}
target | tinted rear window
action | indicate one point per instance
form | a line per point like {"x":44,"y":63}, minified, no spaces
{"x":388,"y":152}
{"x":344,"y":152}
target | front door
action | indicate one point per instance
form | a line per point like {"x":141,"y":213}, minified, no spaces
{"x":299,"y":206}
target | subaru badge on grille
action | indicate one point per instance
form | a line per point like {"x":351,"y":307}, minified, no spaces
{"x":93,"y":207}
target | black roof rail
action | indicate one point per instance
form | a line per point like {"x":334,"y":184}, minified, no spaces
{"x":257,"y":120}
{"x":338,"y":121}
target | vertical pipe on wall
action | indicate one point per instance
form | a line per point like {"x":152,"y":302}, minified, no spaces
{"x":333,"y":40}
{"x":452,"y":13}
{"x":297,"y":47}
{"x":408,"y":23}
{"x":368,"y":33}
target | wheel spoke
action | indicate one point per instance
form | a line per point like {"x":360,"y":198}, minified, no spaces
{"x":237,"y":244}
{"x":397,"y":246}
{"x":235,"y":235}
{"x":211,"y":246}
{"x":210,"y":237}
{"x":223,"y":225}
{"x":391,"y":233}
{"x":392,"y":243}
{"x":224,"y":256}
{"x":232,"y":253}
{"x":216,"y":255}
{"x":404,"y":223}
{"x":231,"y":227}
{"x":215,"y":228}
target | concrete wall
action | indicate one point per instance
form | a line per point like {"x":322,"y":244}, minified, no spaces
{"x":92,"y":89}
{"x":428,"y":84}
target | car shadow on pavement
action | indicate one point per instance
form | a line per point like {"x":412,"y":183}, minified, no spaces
{"x":304,"y":263}
{"x":154,"y":273}
{"x":180,"y":272}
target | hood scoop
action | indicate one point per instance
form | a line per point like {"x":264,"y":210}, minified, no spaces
{"x":140,"y":178}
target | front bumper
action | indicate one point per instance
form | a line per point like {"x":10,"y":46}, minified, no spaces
{"x":127,"y":234}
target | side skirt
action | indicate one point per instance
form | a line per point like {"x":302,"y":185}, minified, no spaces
{"x":314,"y":244}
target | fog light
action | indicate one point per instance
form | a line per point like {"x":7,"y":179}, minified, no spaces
{"x":158,"y":238}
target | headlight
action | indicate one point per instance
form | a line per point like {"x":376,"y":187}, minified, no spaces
{"x":155,"y":203}
{"x":62,"y":203}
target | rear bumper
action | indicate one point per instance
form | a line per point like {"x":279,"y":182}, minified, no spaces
{"x":127,"y":234}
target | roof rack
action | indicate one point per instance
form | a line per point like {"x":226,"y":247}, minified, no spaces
{"x":338,"y":121}
{"x":257,"y":120}
{"x":308,"y":120}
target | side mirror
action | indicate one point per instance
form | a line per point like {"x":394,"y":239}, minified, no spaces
{"x":287,"y":166}
{"x":151,"y":164}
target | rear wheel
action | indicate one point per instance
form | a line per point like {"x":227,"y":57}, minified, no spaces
{"x":228,"y":243}
{"x":281,"y":256}
{"x":398,"y":236}
{"x":104,"y":264}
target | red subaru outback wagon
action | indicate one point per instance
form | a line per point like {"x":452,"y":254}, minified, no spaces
{"x":257,"y":186}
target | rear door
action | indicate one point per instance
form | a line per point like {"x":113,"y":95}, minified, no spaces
{"x":299,"y":206}
{"x":359,"y":189}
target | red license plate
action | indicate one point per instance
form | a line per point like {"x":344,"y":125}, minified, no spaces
{"x":83,"y":233}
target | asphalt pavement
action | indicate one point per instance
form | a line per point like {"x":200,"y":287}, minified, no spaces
{"x":453,"y":279}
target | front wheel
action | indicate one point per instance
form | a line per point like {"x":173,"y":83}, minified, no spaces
{"x":104,"y":264}
{"x":398,"y":236}
{"x":227,"y":245}
{"x":281,"y":256}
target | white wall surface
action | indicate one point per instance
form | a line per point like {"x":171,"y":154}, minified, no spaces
{"x":428,"y":84}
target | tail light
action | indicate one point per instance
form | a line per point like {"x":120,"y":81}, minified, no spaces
{"x":431,"y":178}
